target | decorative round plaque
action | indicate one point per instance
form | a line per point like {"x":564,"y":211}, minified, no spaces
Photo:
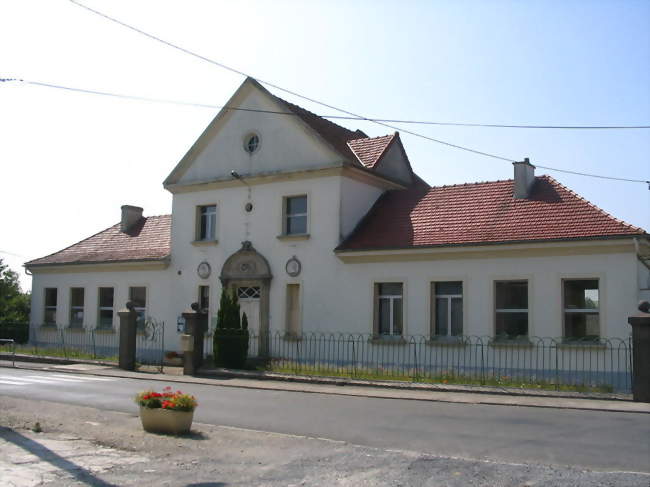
{"x":204,"y":270}
{"x":293,"y":266}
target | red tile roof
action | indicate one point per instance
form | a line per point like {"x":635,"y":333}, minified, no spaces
{"x":481,"y":213}
{"x":369,"y":150}
{"x":149,"y":239}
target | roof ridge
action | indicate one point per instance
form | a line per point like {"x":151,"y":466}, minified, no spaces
{"x":353,"y":133}
{"x":93,"y":236}
{"x":475,"y":183}
{"x":555,"y":182}
{"x":72,"y":245}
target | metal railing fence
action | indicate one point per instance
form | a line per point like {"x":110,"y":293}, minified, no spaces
{"x":539,"y":362}
{"x":72,"y":342}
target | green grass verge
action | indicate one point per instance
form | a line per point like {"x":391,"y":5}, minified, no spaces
{"x":372,"y":374}
{"x":70,"y":353}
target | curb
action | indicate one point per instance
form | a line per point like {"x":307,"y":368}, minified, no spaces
{"x":409,"y":386}
{"x":368,"y":391}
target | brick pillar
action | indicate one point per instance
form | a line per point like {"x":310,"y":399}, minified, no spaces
{"x":641,"y":353}
{"x":128,"y":317}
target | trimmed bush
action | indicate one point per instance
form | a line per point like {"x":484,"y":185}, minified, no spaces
{"x":231,"y":334}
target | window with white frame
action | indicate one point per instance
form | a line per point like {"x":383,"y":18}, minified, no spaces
{"x":138,"y":296}
{"x":448,"y":306}
{"x":76,"y":307}
{"x":51,"y":297}
{"x":206,"y":223}
{"x":581,"y":309}
{"x":389,"y":311}
{"x":106,"y":295}
{"x":295,"y":215}
{"x":511,"y":309}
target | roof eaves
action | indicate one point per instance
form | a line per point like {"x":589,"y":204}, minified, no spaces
{"x":341,"y":248}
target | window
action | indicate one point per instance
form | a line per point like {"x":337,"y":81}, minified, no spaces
{"x":49,"y":317}
{"x":207,"y":223}
{"x":448,"y":303}
{"x":105,"y":307}
{"x":204,"y":298}
{"x":511,"y":309}
{"x":76,"y":306}
{"x":581,"y":309}
{"x":251,"y":143}
{"x":295,"y":215}
{"x":138,"y":296}
{"x":388,"y":309}
{"x":293,"y":309}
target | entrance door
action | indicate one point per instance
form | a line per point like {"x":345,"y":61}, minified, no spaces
{"x":249,"y":303}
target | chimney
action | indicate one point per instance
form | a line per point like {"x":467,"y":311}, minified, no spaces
{"x":130,"y":216}
{"x":524,"y":178}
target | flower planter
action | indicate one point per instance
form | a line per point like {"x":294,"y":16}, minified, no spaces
{"x":159,"y":420}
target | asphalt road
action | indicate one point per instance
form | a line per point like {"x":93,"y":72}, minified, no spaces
{"x":590,"y":439}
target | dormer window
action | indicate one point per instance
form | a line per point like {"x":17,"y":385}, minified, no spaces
{"x":251,"y":143}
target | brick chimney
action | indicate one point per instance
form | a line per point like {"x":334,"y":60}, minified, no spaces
{"x":130,"y":216}
{"x":524,"y":178}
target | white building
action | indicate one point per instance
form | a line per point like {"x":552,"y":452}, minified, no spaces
{"x":323,"y":229}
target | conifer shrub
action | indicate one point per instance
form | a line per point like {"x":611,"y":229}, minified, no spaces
{"x":231,"y":334}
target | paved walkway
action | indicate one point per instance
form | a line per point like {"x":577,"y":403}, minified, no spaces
{"x":172,"y":374}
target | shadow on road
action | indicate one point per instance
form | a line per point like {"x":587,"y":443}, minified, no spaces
{"x":47,"y":455}
{"x":207,"y":484}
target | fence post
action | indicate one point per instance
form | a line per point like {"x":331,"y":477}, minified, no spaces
{"x":641,"y":353}
{"x":128,"y":317}
{"x":92,"y":337}
{"x":65,"y":353}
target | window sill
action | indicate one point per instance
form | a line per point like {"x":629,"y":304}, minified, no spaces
{"x":578,"y":344}
{"x":105,"y":331}
{"x":446,"y":342}
{"x":76,"y":329}
{"x":510,"y":343}
{"x":295,"y":236}
{"x":204,"y":243}
{"x":49,"y":326}
{"x":387,"y":340}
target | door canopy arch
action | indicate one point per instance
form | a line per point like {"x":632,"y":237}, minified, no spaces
{"x":245,"y":265}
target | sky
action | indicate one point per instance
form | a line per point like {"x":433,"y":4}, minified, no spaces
{"x":68,"y":161}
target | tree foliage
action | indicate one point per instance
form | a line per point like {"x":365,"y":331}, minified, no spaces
{"x":14,"y":305}
{"x":231,"y":334}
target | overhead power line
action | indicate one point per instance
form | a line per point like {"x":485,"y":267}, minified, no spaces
{"x":312,"y":100}
{"x":337,"y":117}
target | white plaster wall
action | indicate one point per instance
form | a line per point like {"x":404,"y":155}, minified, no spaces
{"x":285,"y":144}
{"x":262,"y":227}
{"x":353,"y":289}
{"x":644,"y":282}
{"x":394,"y":165}
{"x":157,"y":283}
{"x":356,"y":200}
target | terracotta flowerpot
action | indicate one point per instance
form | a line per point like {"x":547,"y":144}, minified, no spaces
{"x":161,"y":420}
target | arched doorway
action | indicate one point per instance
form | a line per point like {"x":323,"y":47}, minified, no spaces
{"x":247,"y":273}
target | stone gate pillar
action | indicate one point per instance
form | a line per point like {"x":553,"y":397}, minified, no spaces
{"x":196,"y":324}
{"x":128,"y":319}
{"x":641,"y":353}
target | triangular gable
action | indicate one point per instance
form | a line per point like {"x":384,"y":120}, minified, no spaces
{"x":385,"y":156}
{"x":329,"y":139}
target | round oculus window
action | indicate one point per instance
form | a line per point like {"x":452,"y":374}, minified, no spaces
{"x":251,"y":143}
